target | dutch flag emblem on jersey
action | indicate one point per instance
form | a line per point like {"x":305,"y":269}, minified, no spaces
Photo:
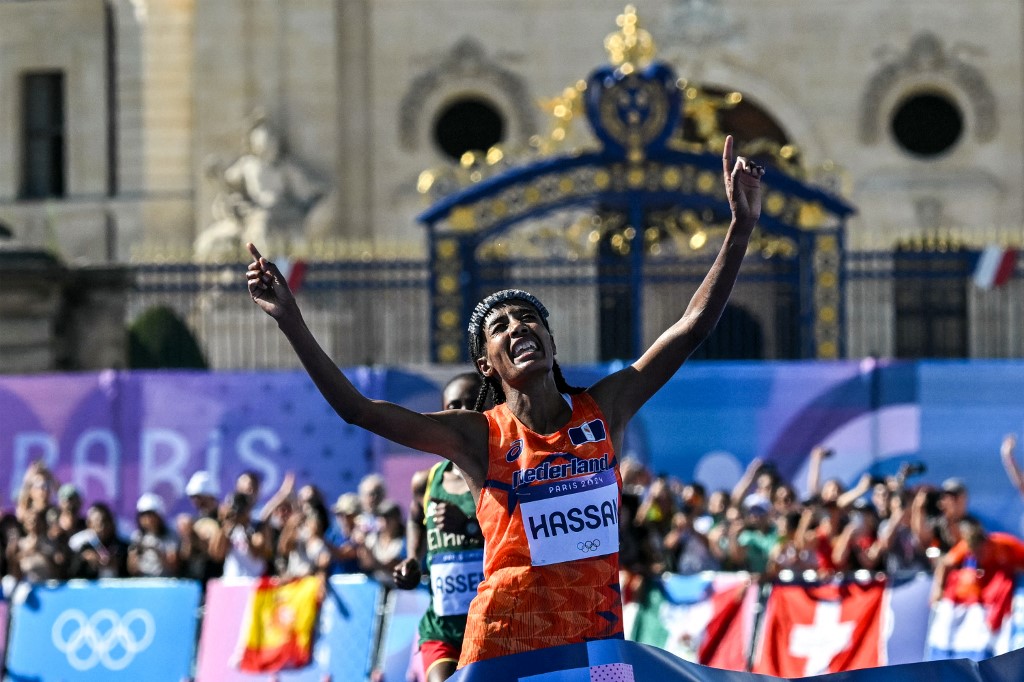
{"x":590,"y":432}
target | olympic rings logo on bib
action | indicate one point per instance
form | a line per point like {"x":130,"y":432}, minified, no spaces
{"x":588,"y":545}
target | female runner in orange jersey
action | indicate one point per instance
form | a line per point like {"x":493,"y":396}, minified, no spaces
{"x":542,"y":464}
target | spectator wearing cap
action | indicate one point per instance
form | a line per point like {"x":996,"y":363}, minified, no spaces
{"x":755,"y":542}
{"x":196,"y":533}
{"x":202,"y":491}
{"x":69,"y":506}
{"x":98,"y":551}
{"x":152,"y":550}
{"x":943,"y":531}
{"x":343,"y":536}
{"x":372,"y":494}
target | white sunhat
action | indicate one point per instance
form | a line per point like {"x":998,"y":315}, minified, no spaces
{"x":150,"y":502}
{"x":202,"y":483}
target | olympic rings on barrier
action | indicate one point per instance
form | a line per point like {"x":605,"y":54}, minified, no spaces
{"x":105,"y":637}
{"x":588,"y":545}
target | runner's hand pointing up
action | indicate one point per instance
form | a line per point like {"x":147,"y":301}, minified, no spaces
{"x":267,"y":286}
{"x":742,"y":187}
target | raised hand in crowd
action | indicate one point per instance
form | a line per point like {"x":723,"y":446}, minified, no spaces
{"x":284,"y":493}
{"x":408,"y":572}
{"x":743,"y":486}
{"x":1007,"y":452}
{"x":303,"y":541}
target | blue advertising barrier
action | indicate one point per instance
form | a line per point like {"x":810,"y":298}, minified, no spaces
{"x":621,"y":661}
{"x":107,"y":630}
{"x":400,"y":637}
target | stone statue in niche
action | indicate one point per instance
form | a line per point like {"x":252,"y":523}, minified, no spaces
{"x":263,"y":197}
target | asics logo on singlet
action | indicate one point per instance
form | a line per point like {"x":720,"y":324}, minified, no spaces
{"x":588,"y":545}
{"x":546,"y":471}
{"x":514,"y":451}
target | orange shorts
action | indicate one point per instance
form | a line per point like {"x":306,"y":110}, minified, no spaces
{"x":434,"y":651}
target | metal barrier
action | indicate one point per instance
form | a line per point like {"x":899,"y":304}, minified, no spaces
{"x":377,"y":312}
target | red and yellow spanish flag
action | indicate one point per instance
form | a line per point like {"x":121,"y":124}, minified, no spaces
{"x":277,"y":632}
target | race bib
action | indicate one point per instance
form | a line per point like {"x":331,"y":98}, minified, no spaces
{"x":454,"y":577}
{"x":571,"y":519}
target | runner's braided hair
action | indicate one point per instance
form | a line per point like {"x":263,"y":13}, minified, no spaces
{"x":491,"y":388}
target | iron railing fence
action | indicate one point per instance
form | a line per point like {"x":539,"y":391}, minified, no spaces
{"x":378,"y":312}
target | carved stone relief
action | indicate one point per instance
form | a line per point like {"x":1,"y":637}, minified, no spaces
{"x":466,"y":61}
{"x":263,"y":196}
{"x":927,"y":56}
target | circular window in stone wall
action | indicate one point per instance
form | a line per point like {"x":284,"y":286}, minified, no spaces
{"x":468,"y":125}
{"x":927,"y":124}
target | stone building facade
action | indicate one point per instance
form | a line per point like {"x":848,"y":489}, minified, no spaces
{"x":119,"y":116}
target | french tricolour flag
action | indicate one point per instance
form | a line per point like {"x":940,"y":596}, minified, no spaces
{"x":294,"y":271}
{"x":995,"y":267}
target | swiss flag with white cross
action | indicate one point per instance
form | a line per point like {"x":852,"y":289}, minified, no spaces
{"x":817,"y":629}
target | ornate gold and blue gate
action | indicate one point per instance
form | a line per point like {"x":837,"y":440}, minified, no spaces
{"x":640,"y":170}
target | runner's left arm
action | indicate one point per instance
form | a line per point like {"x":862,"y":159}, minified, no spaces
{"x":620,"y":395}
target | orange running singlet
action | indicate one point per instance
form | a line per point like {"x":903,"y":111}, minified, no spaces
{"x":549,"y":514}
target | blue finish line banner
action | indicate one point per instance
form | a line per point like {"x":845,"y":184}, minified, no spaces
{"x":621,"y":661}
{"x":141,"y":629}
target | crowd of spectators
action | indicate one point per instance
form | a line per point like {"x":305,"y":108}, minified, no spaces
{"x":881,"y":525}
{"x":297,"y":532}
{"x":762,"y":526}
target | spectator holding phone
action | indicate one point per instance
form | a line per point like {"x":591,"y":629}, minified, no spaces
{"x":98,"y":551}
{"x":242,"y":545}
